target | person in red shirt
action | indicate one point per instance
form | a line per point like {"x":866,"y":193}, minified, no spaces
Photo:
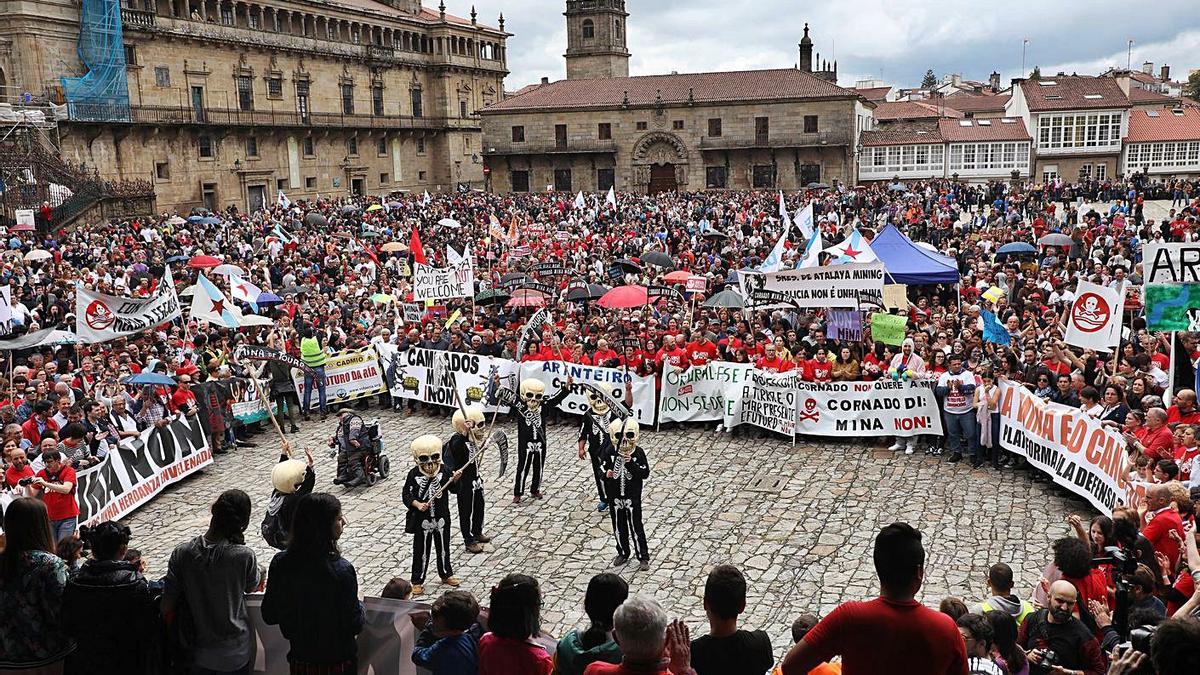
{"x":633,"y":359}
{"x":1183,"y":409}
{"x":183,"y":398}
{"x":701,"y":350}
{"x":670,"y":355}
{"x":770,"y":361}
{"x":57,"y":483}
{"x":650,"y":645}
{"x":1158,"y":441}
{"x":38,"y":423}
{"x":18,"y":469}
{"x":1161,"y":520}
{"x":604,"y":356}
{"x":892,"y":634}
{"x":820,"y":369}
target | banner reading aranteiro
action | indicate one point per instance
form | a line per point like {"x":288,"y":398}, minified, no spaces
{"x":554,"y":375}
{"x":1073,"y":447}
{"x":134,"y":473}
{"x":876,"y":408}
{"x":349,"y":375}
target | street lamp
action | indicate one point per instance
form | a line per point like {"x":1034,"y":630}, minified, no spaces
{"x":237,"y":166}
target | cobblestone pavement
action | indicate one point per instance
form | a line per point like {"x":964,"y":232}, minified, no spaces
{"x":805,"y":548}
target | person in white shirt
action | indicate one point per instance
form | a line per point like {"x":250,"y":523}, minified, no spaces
{"x":957,"y":387}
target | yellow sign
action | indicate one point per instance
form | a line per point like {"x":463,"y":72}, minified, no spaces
{"x":453,"y":317}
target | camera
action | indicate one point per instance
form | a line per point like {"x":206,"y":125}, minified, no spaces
{"x":25,"y":482}
{"x":1049,"y":658}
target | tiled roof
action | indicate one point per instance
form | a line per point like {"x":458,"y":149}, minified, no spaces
{"x":913,"y":110}
{"x":1143,"y":96}
{"x":903,"y":133}
{"x":974,"y":103}
{"x":704,"y":88}
{"x":876,"y":94}
{"x":1163,"y":124}
{"x":1003,"y":129}
{"x":1073,"y":92}
{"x":427,"y":15}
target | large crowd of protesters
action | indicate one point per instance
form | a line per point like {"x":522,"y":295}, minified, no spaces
{"x":70,"y":595}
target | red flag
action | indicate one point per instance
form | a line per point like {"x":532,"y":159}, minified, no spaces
{"x":414,"y":245}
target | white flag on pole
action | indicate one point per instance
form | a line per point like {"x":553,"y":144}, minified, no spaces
{"x":611,"y":198}
{"x":579,"y":202}
{"x":804,"y":220}
{"x":1094,"y":321}
{"x":284,"y":201}
{"x":812,"y":252}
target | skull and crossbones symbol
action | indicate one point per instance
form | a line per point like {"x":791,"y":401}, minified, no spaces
{"x":810,"y":411}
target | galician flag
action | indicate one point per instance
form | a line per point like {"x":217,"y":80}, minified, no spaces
{"x":804,"y":221}
{"x":611,"y":198}
{"x":579,"y":203}
{"x":425,"y":200}
{"x":284,"y":237}
{"x":210,"y":304}
{"x":284,"y":201}
{"x":812,"y":252}
{"x":775,"y":260}
{"x":245,"y":291}
{"x":854,"y":250}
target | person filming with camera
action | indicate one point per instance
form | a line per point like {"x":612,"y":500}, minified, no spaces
{"x":56,"y":484}
{"x":1056,"y":642}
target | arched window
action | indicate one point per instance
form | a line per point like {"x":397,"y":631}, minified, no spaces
{"x":589,"y":29}
{"x":618,"y":27}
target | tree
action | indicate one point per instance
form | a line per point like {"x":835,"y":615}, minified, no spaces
{"x":1036,"y":73}
{"x":930,"y":80}
{"x":1192,"y":90}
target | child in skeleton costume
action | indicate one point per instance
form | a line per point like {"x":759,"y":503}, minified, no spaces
{"x":462,"y":450}
{"x":531,"y":431}
{"x":427,"y":496}
{"x":625,"y":469}
{"x":593,"y":435}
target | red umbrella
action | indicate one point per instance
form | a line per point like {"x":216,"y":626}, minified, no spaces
{"x":200,"y":262}
{"x":623,"y":297}
{"x":677,"y":277}
{"x":527,"y":300}
{"x":23,"y":227}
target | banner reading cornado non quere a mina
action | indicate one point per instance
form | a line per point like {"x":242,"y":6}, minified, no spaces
{"x":1076,"y":450}
{"x":350,"y":374}
{"x":879,"y":408}
{"x":137,"y":471}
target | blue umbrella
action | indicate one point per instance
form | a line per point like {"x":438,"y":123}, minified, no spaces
{"x":149,"y":378}
{"x":176,"y":258}
{"x":195,"y":219}
{"x":1016,"y":247}
{"x":209,"y":220}
{"x":267,"y":297}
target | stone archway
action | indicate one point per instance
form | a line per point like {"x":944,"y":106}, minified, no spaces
{"x":660,"y":162}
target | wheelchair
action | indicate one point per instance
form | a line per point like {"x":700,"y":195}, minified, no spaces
{"x":363,"y":465}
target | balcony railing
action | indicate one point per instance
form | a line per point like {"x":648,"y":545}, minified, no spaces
{"x":171,"y":115}
{"x":132,"y":18}
{"x":824,"y":138}
{"x":551,"y":148}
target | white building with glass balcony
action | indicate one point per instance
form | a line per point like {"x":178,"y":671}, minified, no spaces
{"x":1164,"y":142}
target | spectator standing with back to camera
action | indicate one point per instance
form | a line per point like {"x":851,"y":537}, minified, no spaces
{"x":33,"y":640}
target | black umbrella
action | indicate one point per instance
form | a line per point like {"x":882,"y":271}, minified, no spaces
{"x":349,"y":210}
{"x":314,"y":219}
{"x":816,"y":186}
{"x":628,"y":265}
{"x":588,"y":293}
{"x":491,"y":296}
{"x":725,"y":298}
{"x":659,"y":259}
{"x":715,"y":234}
{"x":293,"y":290}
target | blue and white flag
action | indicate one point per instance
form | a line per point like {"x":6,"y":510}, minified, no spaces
{"x":854,"y":250}
{"x":775,"y":260}
{"x":812,"y":252}
{"x":804,"y":220}
{"x":993,"y":330}
{"x":283,"y":235}
{"x":579,"y":202}
{"x":210,"y":304}
{"x":284,"y":201}
{"x":426,"y":200}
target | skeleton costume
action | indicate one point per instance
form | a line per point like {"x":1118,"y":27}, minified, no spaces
{"x":462,"y":451}
{"x":594,"y":432}
{"x":428,"y":482}
{"x":626,"y":468}
{"x":531,"y":433}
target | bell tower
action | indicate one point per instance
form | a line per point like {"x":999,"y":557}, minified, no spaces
{"x":596,"y":39}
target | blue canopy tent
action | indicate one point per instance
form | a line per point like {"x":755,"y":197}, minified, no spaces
{"x":907,"y":263}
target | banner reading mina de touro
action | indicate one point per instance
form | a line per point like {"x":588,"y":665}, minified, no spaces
{"x":1080,"y":454}
{"x":350,"y":374}
{"x":131,"y":475}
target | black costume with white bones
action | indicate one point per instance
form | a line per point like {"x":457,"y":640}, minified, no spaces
{"x":593,"y":433}
{"x":463,"y":450}
{"x":531,"y":432}
{"x":626,"y":470}
{"x":428,"y":485}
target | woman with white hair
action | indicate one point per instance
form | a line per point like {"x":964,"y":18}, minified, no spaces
{"x":646,"y":637}
{"x":907,"y":365}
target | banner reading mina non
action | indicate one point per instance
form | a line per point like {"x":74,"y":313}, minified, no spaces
{"x":349,"y":375}
{"x":133,"y":474}
{"x":1077,"y":451}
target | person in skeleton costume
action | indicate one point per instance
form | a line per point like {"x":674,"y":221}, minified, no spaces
{"x":625,"y":469}
{"x":427,"y":496}
{"x":593,"y":434}
{"x":291,"y":479}
{"x":462,"y":450}
{"x":531,"y":432}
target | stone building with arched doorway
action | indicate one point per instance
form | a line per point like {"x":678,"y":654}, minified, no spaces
{"x":761,"y":129}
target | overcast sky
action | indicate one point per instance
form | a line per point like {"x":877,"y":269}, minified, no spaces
{"x":895,"y":39}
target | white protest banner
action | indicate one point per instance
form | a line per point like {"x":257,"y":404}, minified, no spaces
{"x":385,"y":644}
{"x":349,"y":375}
{"x":852,"y":286}
{"x":877,"y":408}
{"x":702,"y":393}
{"x":24,"y":217}
{"x":768,"y":401}
{"x":6,"y":315}
{"x":441,"y":283}
{"x":430,"y":376}
{"x":248,"y":407}
{"x":1094,"y":321}
{"x":1073,"y":447}
{"x":101,"y":317}
{"x":696,"y":284}
{"x":413,"y":311}
{"x":612,"y":380}
{"x":138,"y":470}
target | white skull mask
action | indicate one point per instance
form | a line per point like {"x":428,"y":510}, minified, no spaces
{"x":471,"y":425}
{"x":597,"y":402}
{"x":624,"y":435}
{"x":427,"y":453}
{"x":532,"y":392}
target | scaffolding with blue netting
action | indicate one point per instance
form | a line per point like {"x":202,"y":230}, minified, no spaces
{"x":102,"y":94}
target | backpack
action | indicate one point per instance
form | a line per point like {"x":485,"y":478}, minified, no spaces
{"x":273,"y":531}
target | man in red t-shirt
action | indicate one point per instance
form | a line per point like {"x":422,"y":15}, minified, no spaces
{"x":1161,"y":519}
{"x":771,"y":362}
{"x":18,"y":469}
{"x":1158,"y":441}
{"x":892,"y":634}
{"x":671,"y":355}
{"x":57,"y":482}
{"x":1183,"y":408}
{"x":649,"y":644}
{"x":603,"y":354}
{"x":701,"y":350}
